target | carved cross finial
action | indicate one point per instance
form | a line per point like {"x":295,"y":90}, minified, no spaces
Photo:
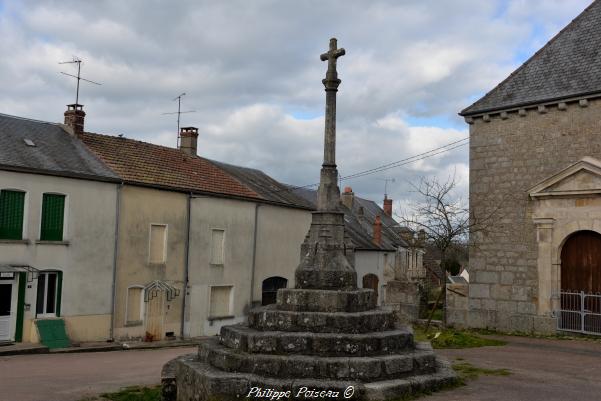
{"x":332,"y":81}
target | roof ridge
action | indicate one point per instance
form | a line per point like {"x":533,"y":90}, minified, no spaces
{"x":553,"y":39}
{"x":29,"y":119}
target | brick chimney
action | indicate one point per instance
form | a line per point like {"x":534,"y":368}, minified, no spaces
{"x":377,"y":240}
{"x":74,"y":118}
{"x":188,"y":138}
{"x":347,"y":197}
{"x":387,"y":206}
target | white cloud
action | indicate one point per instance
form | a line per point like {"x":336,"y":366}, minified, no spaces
{"x":248,"y":67}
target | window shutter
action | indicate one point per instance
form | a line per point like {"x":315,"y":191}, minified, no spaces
{"x":12,"y":205}
{"x":53,"y":213}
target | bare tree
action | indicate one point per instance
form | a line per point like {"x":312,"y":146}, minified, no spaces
{"x":444,"y":220}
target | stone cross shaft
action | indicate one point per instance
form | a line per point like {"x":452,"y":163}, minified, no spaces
{"x":331,"y":83}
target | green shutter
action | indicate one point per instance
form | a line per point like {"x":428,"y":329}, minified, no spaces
{"x":12,"y":204}
{"x":59,"y":292}
{"x":20,"y":307}
{"x":53,"y":213}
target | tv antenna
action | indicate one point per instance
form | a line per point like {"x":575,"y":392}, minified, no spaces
{"x":386,"y":181}
{"x":179,"y":112}
{"x":77,"y":61}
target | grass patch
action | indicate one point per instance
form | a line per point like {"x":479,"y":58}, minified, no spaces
{"x":134,"y":393}
{"x":558,"y":336}
{"x":467,"y":371}
{"x":450,"y":338}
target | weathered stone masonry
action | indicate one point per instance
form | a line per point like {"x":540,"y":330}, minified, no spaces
{"x":510,"y":152}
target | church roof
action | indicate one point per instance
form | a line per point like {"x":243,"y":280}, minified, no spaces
{"x":46,"y":148}
{"x":568,"y":66}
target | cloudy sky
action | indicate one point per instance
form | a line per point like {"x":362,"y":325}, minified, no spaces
{"x":251,"y":70}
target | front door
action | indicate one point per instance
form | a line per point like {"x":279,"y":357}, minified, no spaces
{"x":155,"y":314}
{"x":371,"y":281}
{"x":6,"y":296}
{"x":581,"y":263}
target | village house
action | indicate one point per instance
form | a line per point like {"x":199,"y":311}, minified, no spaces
{"x":187,"y":244}
{"x":57,"y":233}
{"x":535,"y":187}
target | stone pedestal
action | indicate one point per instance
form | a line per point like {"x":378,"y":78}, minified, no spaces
{"x":311,"y":340}
{"x":324,"y":339}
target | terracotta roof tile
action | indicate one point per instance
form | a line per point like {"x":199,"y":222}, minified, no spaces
{"x":144,"y":163}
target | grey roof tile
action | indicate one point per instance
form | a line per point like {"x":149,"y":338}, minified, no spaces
{"x":569,"y":65}
{"x":55,"y":152}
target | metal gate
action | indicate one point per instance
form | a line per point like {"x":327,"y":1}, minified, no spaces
{"x":580,"y":312}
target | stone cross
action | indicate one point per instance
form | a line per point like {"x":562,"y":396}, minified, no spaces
{"x":331,"y":83}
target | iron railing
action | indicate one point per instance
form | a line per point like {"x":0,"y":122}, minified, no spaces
{"x":580,"y":312}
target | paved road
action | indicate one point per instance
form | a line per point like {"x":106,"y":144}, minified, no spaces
{"x":545,"y":370}
{"x":542,"y":370}
{"x":71,"y":377}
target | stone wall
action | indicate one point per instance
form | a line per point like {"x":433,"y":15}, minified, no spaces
{"x":509,"y":154}
{"x":403,"y":297}
{"x":457,"y":304}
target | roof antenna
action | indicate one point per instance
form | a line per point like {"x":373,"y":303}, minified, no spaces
{"x":386,"y":181}
{"x":179,"y":112}
{"x":77,"y":61}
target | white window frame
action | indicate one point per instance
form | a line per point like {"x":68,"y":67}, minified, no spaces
{"x":164,"y":243}
{"x":140,"y":321}
{"x":25,"y":209}
{"x":47,"y":315}
{"x":65,"y":214}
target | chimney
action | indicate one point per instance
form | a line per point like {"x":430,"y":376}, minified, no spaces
{"x":347,"y":197}
{"x":188,"y":138}
{"x":74,"y":118}
{"x":387,"y":206}
{"x":377,"y":240}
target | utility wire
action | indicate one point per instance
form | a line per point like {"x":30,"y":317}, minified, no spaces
{"x":388,"y":166}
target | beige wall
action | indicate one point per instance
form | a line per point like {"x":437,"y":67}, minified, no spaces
{"x":508,"y":156}
{"x":141,"y":207}
{"x":237,"y":218}
{"x":85,"y":258}
{"x":281,"y":231}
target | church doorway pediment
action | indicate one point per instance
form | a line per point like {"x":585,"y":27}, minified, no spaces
{"x":581,"y":178}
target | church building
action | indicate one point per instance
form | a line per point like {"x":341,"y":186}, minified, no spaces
{"x":535,"y":190}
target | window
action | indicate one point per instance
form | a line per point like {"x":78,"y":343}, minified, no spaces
{"x":49,"y":294}
{"x":270,"y":289}
{"x":158,"y":243}
{"x":135,"y":303}
{"x":217,"y":240}
{"x":220,"y":301}
{"x":53,"y":216}
{"x":12,"y":207}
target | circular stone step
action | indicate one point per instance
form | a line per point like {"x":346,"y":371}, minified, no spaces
{"x":243,"y":338}
{"x":299,"y":299}
{"x":364,"y":369}
{"x":198,"y":380}
{"x":269,"y":318}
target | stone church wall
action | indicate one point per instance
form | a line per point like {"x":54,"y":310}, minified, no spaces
{"x":509,"y":154}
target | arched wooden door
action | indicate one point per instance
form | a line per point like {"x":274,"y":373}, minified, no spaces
{"x":371,"y":281}
{"x":581,"y":262}
{"x":270,"y":289}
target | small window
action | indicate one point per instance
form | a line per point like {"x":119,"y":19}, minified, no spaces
{"x":217,"y":241}
{"x":158,"y":243}
{"x":53,"y":216}
{"x":220,"y":301}
{"x":270,"y":289}
{"x":49,"y":294}
{"x":135,"y":303}
{"x":12,"y":209}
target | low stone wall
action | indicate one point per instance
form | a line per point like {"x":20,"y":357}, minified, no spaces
{"x":403,"y":297}
{"x":457,"y":305}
